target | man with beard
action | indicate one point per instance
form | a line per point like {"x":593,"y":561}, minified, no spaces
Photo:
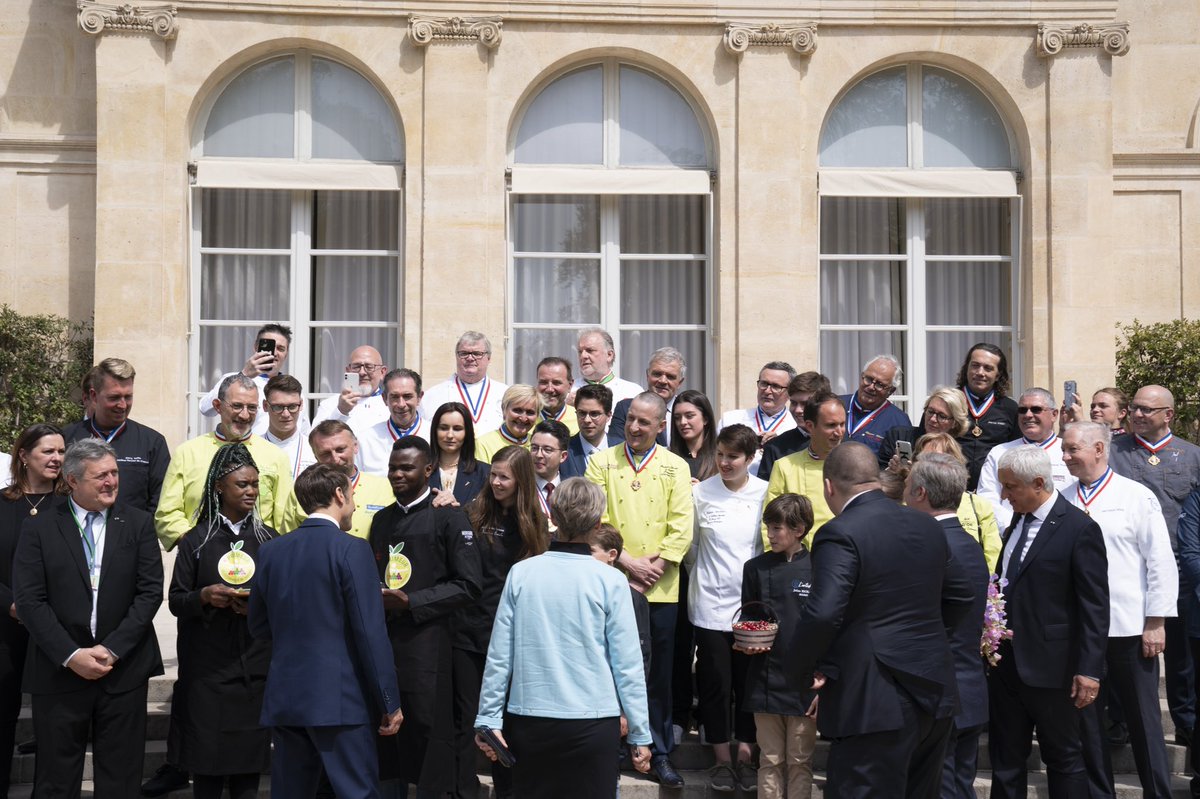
{"x":429,"y":568}
{"x":402,"y":394}
{"x":983,"y":380}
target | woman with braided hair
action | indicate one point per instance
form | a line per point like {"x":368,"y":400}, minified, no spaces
{"x":222,"y":668}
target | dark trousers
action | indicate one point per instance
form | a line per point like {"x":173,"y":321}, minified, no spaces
{"x":1180,"y":672}
{"x":897,"y":764}
{"x":683,"y":687}
{"x":720,"y":680}
{"x":962,"y":754}
{"x":658,"y":681}
{"x":12,"y":662}
{"x":468,"y":679}
{"x":559,"y":758}
{"x":116,"y":725}
{"x":1016,"y":710}
{"x":1133,"y":679}
{"x":347,"y":753}
{"x":1194,"y":643}
{"x":212,"y":786}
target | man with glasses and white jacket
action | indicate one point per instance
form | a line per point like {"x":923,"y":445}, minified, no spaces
{"x":470,"y":385}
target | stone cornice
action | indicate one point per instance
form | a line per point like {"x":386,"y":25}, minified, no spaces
{"x":485,"y":30}
{"x":1177,"y":165}
{"x":1053,"y":39}
{"x":95,"y":17}
{"x":740,"y":36}
{"x":901,"y":13}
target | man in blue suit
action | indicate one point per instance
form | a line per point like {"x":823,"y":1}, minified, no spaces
{"x":593,"y":408}
{"x":317,"y":597}
{"x":935,"y":486}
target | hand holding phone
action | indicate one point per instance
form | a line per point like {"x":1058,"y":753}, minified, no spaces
{"x":905,"y":450}
{"x":494,"y":746}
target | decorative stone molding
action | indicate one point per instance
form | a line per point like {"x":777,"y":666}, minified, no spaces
{"x":1113,"y":37}
{"x":740,"y":37}
{"x":486,"y":30}
{"x":160,"y":20}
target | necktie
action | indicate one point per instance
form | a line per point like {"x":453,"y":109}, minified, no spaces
{"x":89,"y":541}
{"x":1014,"y":560}
{"x":549,"y":491}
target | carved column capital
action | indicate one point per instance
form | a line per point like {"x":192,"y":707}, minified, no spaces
{"x":1113,"y":37}
{"x":801,"y":37}
{"x":160,"y":20}
{"x":485,"y":30}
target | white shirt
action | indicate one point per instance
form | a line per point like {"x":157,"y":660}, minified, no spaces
{"x":1033,"y":523}
{"x":482,"y":400}
{"x":261,"y":420}
{"x":620,"y":388}
{"x":367,"y":412}
{"x":1143,"y":579}
{"x":989,"y":476}
{"x":235,"y":527}
{"x":727,"y":534}
{"x":375,"y":443}
{"x":99,"y":526}
{"x":751,"y":418}
{"x":6,"y":468}
{"x":299,"y":453}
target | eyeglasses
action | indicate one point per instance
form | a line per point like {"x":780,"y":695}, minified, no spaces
{"x":1145,"y":410}
{"x":275,"y":408}
{"x":1034,"y":409}
{"x":938,"y":416}
{"x":363,"y":367}
{"x":590,"y":414}
{"x":879,"y":384}
{"x":774,"y":388}
{"x":465,"y":355}
{"x":242,"y":407}
{"x":538,"y":449}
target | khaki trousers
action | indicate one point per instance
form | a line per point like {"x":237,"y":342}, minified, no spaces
{"x":786,"y":745}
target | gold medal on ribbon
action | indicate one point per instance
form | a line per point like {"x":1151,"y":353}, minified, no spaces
{"x":976,"y":431}
{"x":399,"y":568}
{"x":636,"y":485}
{"x":235,"y":566}
{"x":1153,"y":460}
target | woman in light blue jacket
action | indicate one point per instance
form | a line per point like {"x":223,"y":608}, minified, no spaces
{"x":566,"y":637}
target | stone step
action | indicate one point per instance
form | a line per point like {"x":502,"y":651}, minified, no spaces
{"x":637,"y":786}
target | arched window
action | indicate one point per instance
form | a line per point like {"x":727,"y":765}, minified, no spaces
{"x":610,"y":221}
{"x":296,"y":219}
{"x":919,"y":227}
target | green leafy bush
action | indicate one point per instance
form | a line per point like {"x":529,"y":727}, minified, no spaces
{"x":1165,"y":354}
{"x":43,"y":358}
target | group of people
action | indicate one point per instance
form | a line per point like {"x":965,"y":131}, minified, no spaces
{"x":474,"y":604}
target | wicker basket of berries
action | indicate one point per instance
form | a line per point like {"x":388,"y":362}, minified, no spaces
{"x":755,"y":632}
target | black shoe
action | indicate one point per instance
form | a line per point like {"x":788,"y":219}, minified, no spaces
{"x":664,"y":773}
{"x":1183,"y":736}
{"x":168,"y":778}
{"x":27,"y":747}
{"x":1118,"y":734}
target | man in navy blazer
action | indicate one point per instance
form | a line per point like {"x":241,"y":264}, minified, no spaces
{"x":87,"y":580}
{"x":1056,"y":566}
{"x":885,"y":588}
{"x":317,"y":597}
{"x":935,"y":486}
{"x":593,"y":409}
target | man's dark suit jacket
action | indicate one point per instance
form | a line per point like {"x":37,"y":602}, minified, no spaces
{"x":964,"y":636}
{"x":54,"y":599}
{"x":575,"y":464}
{"x":467,"y":485}
{"x":317,"y":598}
{"x":885,"y":588}
{"x":1058,"y":601}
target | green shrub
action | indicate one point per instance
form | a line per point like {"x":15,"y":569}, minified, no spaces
{"x":1165,"y":354}
{"x":43,"y":358}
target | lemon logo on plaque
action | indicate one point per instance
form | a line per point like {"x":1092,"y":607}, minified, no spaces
{"x":399,"y":568}
{"x":235,"y":566}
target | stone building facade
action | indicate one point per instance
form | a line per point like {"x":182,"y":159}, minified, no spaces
{"x":813,"y":181}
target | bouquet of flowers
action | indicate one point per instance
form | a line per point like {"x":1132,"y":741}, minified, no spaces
{"x":995,"y":622}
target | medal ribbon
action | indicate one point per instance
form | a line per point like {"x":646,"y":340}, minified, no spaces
{"x":222,"y":437}
{"x":639,"y":465}
{"x":510,"y":438}
{"x":854,"y":428}
{"x":558,"y":418}
{"x":541,"y":495}
{"x":977,"y":411}
{"x":354,"y":482}
{"x":476,"y":407}
{"x":1157,"y":445}
{"x":1047,"y":444}
{"x":1087,"y":494}
{"x":608,"y":378}
{"x":108,"y":437}
{"x":760,"y":420}
{"x":397,"y":433}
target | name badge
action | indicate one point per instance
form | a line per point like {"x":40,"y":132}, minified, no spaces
{"x":96,"y":579}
